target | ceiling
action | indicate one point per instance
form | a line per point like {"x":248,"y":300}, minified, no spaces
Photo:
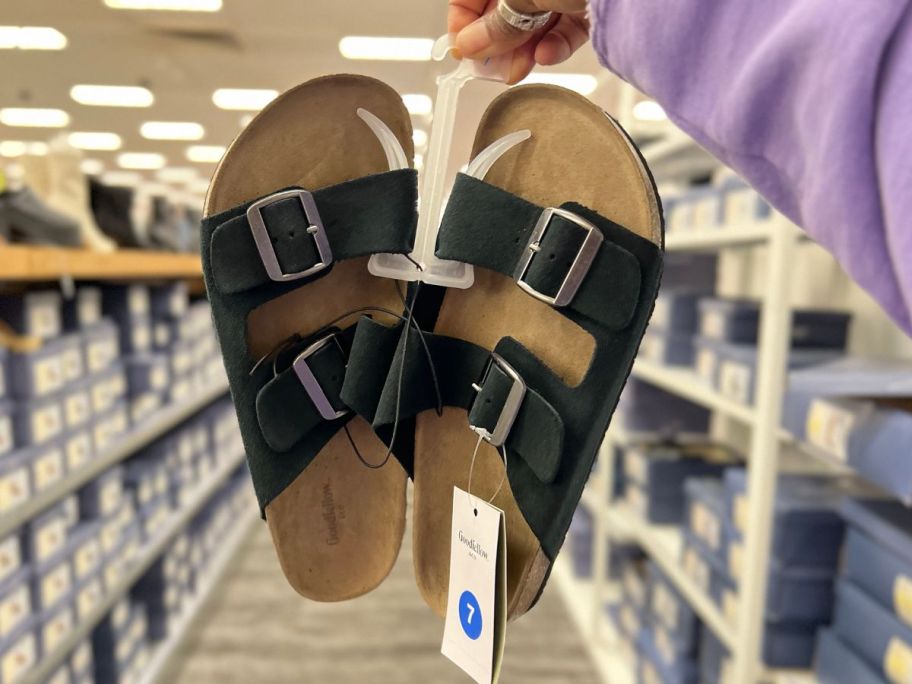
{"x":184,"y":56}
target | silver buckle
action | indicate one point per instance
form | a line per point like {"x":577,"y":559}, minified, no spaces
{"x":309,"y":380}
{"x":511,"y":406}
{"x":264,"y":242}
{"x":578,"y":269}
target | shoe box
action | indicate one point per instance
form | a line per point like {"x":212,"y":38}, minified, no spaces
{"x":655,"y":473}
{"x":19,"y":651}
{"x":838,"y":663}
{"x":580,"y":537}
{"x":84,"y":310}
{"x":667,"y":348}
{"x":714,"y":661}
{"x":680,"y":625}
{"x":645,"y":408}
{"x":33,"y":314}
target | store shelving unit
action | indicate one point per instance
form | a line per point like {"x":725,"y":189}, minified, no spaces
{"x":21,"y":263}
{"x":129,"y":444}
{"x":148,"y":555}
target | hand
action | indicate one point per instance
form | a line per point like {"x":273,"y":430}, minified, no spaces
{"x":481,"y":32}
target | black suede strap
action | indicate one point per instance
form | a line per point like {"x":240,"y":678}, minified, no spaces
{"x":537,"y":433}
{"x":364,"y":216}
{"x":286,"y":412}
{"x":489,"y":227}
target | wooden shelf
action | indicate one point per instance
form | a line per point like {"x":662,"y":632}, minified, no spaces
{"x":23,"y":263}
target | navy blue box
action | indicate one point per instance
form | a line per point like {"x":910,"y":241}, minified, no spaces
{"x":706,"y":507}
{"x":733,"y":320}
{"x":877,"y":636}
{"x":84,"y":309}
{"x":38,"y":421}
{"x":34,"y":314}
{"x":77,"y":406}
{"x":7,"y":439}
{"x":110,"y":427}
{"x":37,"y":373}
{"x":55,"y":626}
{"x":15,"y":603}
{"x":652,"y":667}
{"x":136,"y":337}
{"x":169,"y":301}
{"x":147,"y":373}
{"x":668,"y":608}
{"x":125,"y":303}
{"x":620,"y":555}
{"x":102,"y":345}
{"x":108,"y":388}
{"x":52,"y":583}
{"x":690,"y":271}
{"x":48,"y":465}
{"x":11,"y":556}
{"x":676,"y":311}
{"x":78,"y":449}
{"x":15,"y":480}
{"x":45,"y":535}
{"x":102,"y":496}
{"x":837,"y":663}
{"x":85,"y":547}
{"x":636,"y":586}
{"x":714,"y":659}
{"x":705,"y":568}
{"x":792,"y":596}
{"x":19,"y":653}
{"x":72,"y":357}
{"x":89,"y":595}
{"x":878,"y":556}
{"x":667,"y":348}
{"x":581,"y":537}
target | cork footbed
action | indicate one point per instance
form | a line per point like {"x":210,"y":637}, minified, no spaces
{"x":576,"y":153}
{"x":338,"y":527}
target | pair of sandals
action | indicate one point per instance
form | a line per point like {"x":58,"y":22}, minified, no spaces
{"x":332,"y":369}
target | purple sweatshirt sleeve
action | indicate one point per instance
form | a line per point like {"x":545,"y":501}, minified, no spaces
{"x":809,"y":100}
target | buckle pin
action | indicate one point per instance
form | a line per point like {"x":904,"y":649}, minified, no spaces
{"x":311,"y":385}
{"x":513,"y":403}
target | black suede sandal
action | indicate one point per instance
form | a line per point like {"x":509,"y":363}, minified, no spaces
{"x":301,"y":199}
{"x":566,"y":237}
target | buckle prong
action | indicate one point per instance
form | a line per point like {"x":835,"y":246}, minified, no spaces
{"x":311,"y":385}
{"x":513,"y":403}
{"x":578,"y":269}
{"x":264,"y":241}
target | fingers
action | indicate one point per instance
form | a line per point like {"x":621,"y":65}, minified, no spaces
{"x":461,"y":13}
{"x":523,"y":61}
{"x":491,"y":35}
{"x":566,"y":37}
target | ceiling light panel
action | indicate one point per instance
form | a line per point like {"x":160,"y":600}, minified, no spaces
{"x":141,"y":161}
{"x":94,"y":140}
{"x":418,"y":103}
{"x":31,"y":38}
{"x":383,"y":48}
{"x":16,"y":148}
{"x":243,"y":99}
{"x":91,"y":167}
{"x":584,"y":84}
{"x":34,"y":117}
{"x":205,"y":153}
{"x":419,"y":137}
{"x":112,"y":96}
{"x":166,"y":5}
{"x":172,"y":130}
{"x":649,"y":110}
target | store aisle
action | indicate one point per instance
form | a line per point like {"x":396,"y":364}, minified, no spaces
{"x":257,"y":630}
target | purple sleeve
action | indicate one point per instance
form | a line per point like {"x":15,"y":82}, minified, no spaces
{"x":810,"y":101}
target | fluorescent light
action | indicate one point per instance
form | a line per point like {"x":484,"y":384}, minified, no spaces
{"x":379,"y":47}
{"x":91,"y":167}
{"x":584,"y":84}
{"x":418,"y":103}
{"x":122,"y":178}
{"x":205,"y":153}
{"x":177,"y":174}
{"x":16,"y":148}
{"x":31,"y":38}
{"x":419,"y":137}
{"x":141,"y":160}
{"x":112,"y":96}
{"x":649,"y":110}
{"x":167,"y":5}
{"x":243,"y":99}
{"x":94,"y":140}
{"x":172,"y":130}
{"x":33,"y":116}
{"x":419,"y":161}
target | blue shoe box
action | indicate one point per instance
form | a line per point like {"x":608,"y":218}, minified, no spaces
{"x":807,"y":528}
{"x":126,"y":303}
{"x":20,"y":652}
{"x":38,"y":373}
{"x":169,"y":301}
{"x":706,"y":507}
{"x":103,"y":496}
{"x":110,"y":427}
{"x":792,"y":596}
{"x":84,"y":309}
{"x":636,"y":587}
{"x":837,"y":663}
{"x":108,"y":388}
{"x":38,"y":421}
{"x":136,"y":337}
{"x":690,"y":272}
{"x":878,"y":556}
{"x":15,"y":603}
{"x":620,"y":555}
{"x":164,"y":335}
{"x":52,"y":583}
{"x":871,"y":631}
{"x":7,"y":429}
{"x":705,"y":568}
{"x":33,"y":314}
{"x":11,"y":556}
{"x":72,"y":357}
{"x":651,"y":667}
{"x":676,"y":311}
{"x":670,"y":610}
{"x":77,"y":406}
{"x":45,"y":535}
{"x":181,"y":360}
{"x":89,"y":595}
{"x":48,"y":465}
{"x":667,"y":348}
{"x":85,"y":547}
{"x":102,"y":345}
{"x":154,"y":516}
{"x":580,"y":536}
{"x":54,"y":626}
{"x":78,"y":449}
{"x":738,"y":321}
{"x":148,"y":373}
{"x":15,"y":480}
{"x":714,"y":660}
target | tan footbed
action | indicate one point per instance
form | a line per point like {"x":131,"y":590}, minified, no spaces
{"x":576,"y":153}
{"x":338,"y":527}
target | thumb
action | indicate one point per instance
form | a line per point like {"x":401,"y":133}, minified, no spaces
{"x":491,"y":35}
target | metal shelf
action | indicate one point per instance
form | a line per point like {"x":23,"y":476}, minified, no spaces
{"x":663,"y":544}
{"x":718,"y":238}
{"x":687,"y":384}
{"x":25,"y":263}
{"x":152,"y":551}
{"x":145,"y":433}
{"x":177,"y":633}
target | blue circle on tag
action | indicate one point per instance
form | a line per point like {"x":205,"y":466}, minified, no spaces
{"x":470,"y":615}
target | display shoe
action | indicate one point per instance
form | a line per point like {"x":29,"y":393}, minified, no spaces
{"x":29,"y":220}
{"x":68,"y":192}
{"x":566,"y":236}
{"x":300,"y":200}
{"x":112,"y":207}
{"x":164,"y":232}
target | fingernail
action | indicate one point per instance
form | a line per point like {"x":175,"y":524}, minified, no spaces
{"x":455,"y":53}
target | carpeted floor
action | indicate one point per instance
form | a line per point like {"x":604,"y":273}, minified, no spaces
{"x":257,"y":630}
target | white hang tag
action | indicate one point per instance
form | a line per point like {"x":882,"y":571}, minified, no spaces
{"x":476,"y":619}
